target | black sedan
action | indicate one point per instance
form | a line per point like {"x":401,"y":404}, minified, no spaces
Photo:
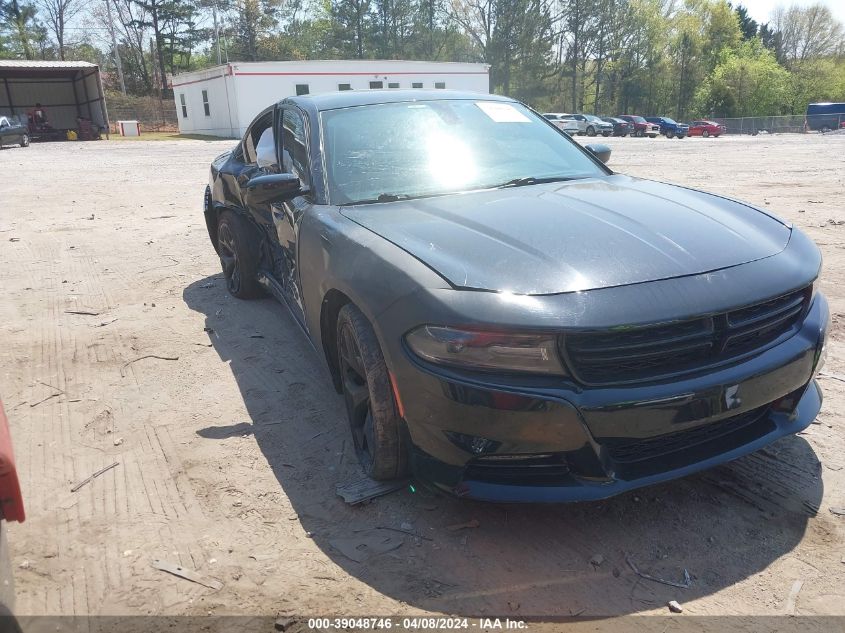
{"x":621,"y":127}
{"x":13,"y":132}
{"x":506,"y":317}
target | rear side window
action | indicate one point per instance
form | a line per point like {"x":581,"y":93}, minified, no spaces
{"x":294,"y":147}
{"x":253,"y":138}
{"x":265,"y":150}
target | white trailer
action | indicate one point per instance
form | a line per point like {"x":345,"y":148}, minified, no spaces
{"x":66,"y":91}
{"x":222,"y":101}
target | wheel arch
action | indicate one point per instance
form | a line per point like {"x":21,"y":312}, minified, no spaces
{"x":333,"y":302}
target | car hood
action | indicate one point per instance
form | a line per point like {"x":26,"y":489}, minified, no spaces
{"x":573,"y":236}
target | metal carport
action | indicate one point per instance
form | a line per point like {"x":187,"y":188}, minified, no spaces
{"x":66,"y":90}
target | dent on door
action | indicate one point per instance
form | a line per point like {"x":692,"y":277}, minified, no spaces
{"x":286,"y":216}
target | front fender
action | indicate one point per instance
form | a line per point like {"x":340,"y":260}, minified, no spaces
{"x":336,"y":255}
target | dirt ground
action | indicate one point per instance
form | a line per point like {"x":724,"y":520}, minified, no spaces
{"x":120,"y":344}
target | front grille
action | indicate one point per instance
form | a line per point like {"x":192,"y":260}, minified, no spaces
{"x":528,"y":470}
{"x":647,"y":353}
{"x":626,"y":451}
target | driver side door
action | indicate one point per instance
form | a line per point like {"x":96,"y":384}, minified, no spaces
{"x":292,"y":131}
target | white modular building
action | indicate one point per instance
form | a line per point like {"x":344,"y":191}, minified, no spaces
{"x":223,"y":100}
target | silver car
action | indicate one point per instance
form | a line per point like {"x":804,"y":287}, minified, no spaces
{"x":591,"y":125}
{"x":564,"y":122}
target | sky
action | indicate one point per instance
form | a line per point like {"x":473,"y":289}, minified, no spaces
{"x":761,"y":10}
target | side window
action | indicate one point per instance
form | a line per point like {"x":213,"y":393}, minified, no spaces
{"x":265,"y":150}
{"x":205,"y":105}
{"x":416,"y":85}
{"x":184,"y":105}
{"x":439,"y":85}
{"x":254,"y":136}
{"x":344,"y":86}
{"x":393,"y":85}
{"x":294,"y":148}
{"x":302,"y":89}
{"x":375,"y":85}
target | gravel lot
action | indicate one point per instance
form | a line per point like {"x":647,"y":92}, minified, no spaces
{"x":228,"y":454}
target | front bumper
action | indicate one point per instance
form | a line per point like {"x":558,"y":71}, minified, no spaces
{"x":482,"y":439}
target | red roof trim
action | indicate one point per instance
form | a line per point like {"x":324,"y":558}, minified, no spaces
{"x":357,"y":74}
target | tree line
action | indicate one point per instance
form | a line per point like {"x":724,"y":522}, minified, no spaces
{"x":681,"y":58}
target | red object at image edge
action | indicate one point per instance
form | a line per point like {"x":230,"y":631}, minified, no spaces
{"x":11,"y":502}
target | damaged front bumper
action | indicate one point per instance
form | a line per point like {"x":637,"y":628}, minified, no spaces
{"x":525,"y":444}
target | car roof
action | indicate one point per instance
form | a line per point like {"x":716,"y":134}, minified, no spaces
{"x":351,"y":98}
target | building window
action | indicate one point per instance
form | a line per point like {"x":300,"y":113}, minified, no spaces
{"x":184,"y":105}
{"x":416,"y":85}
{"x":393,"y":85}
{"x":374,"y":85}
{"x":344,"y":86}
{"x":205,"y":105}
{"x":301,"y":89}
{"x":440,"y":85}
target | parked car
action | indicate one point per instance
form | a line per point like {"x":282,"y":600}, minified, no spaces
{"x":706,"y":128}
{"x":825,"y":116}
{"x":669,"y":127}
{"x":13,"y":132}
{"x":621,"y":127}
{"x":591,"y":125}
{"x":597,"y":125}
{"x":563,"y":121}
{"x":641,"y":126}
{"x":506,"y":317}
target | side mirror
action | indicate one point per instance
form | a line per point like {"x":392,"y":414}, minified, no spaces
{"x":599,"y":150}
{"x":271,"y":188}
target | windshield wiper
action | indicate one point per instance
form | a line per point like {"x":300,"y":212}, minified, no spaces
{"x":382,"y":197}
{"x":533,"y":180}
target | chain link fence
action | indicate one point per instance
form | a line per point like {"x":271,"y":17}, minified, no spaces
{"x":154,"y":115}
{"x":792,"y":123}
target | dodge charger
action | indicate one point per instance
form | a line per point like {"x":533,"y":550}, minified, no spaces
{"x":505,"y":317}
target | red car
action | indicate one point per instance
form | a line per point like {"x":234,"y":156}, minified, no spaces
{"x":706,"y":128}
{"x":641,"y":126}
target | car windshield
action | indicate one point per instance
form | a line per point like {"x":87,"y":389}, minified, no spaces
{"x":666,"y":119}
{"x":638,"y":119}
{"x":402,"y":150}
{"x":593,"y":117}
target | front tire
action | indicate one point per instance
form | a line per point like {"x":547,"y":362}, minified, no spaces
{"x":670,"y":134}
{"x":25,"y":140}
{"x":239,"y":251}
{"x":705,"y":134}
{"x":367,"y":390}
{"x":639,"y":133}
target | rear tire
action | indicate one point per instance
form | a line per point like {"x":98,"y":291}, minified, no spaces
{"x":367,"y":390}
{"x":670,"y":134}
{"x":239,"y":249}
{"x":25,"y":140}
{"x":591,"y":131}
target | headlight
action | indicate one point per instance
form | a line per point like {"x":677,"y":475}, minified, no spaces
{"x":502,"y":351}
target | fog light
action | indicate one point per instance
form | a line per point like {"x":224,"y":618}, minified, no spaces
{"x":472,"y":443}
